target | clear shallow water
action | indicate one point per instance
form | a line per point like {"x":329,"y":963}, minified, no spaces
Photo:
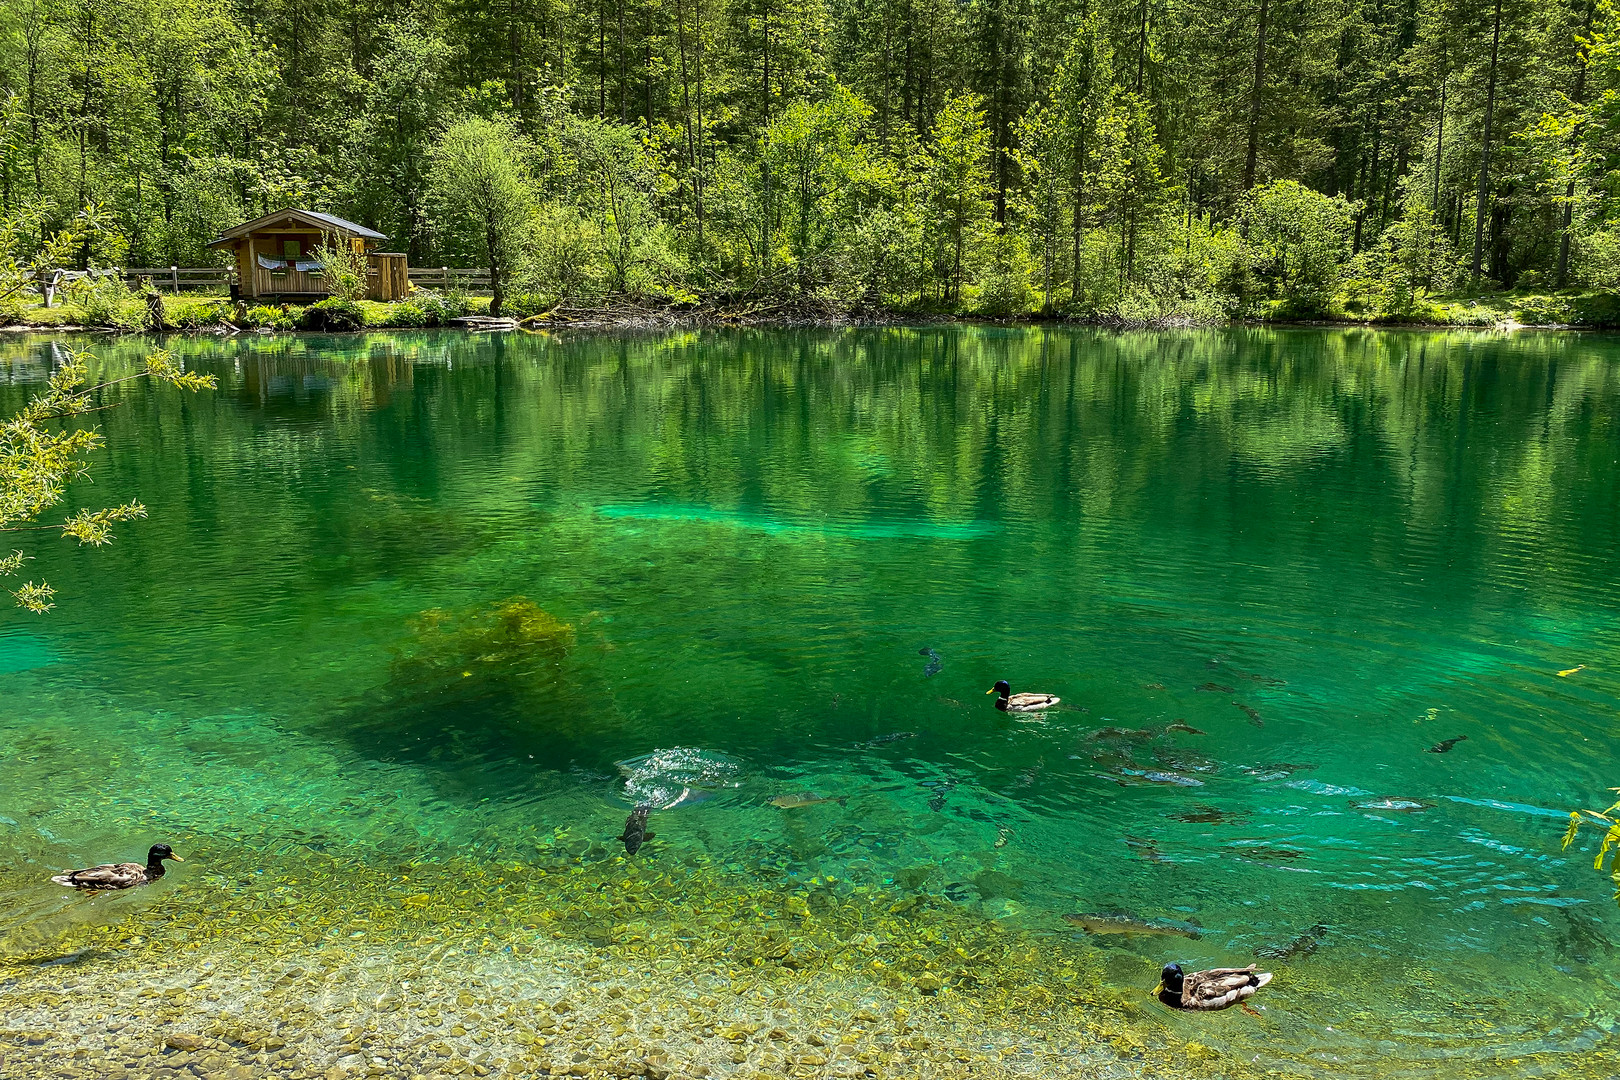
{"x":420,"y":597}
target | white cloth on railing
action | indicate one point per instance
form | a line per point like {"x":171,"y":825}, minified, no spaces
{"x":267,"y":263}
{"x":306,"y":265}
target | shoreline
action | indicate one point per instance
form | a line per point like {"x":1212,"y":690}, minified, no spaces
{"x":896,"y":320}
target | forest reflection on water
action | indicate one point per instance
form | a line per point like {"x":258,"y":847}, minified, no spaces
{"x":462,"y":588}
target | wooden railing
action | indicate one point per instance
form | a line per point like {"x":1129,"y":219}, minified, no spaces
{"x":182,"y":278}
{"x":448,"y":277}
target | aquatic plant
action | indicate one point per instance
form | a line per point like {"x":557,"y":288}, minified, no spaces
{"x":1610,"y":837}
{"x":37,"y":462}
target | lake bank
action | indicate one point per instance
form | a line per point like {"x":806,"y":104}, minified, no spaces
{"x":202,"y":314}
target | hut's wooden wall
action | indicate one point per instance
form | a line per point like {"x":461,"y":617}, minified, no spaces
{"x":389,"y":278}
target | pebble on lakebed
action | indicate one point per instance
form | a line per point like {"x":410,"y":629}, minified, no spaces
{"x":607,"y":969}
{"x":297,"y":967}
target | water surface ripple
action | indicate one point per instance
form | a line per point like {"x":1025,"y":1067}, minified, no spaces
{"x":429,"y":596}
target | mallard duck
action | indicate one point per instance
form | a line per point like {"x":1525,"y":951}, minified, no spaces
{"x":1007,"y":701}
{"x":1207,"y":991}
{"x":120,"y":875}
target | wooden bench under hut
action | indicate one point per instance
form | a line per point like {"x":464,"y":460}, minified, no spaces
{"x":277,"y":256}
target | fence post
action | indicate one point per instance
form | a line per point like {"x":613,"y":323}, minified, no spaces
{"x":174,"y":274}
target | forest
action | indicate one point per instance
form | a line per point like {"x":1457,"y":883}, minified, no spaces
{"x":1132,"y":159}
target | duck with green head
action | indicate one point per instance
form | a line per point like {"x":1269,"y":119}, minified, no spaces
{"x":1208,"y":991}
{"x":1026,"y":702}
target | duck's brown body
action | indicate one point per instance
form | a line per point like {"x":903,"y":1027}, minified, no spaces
{"x":1217,"y":988}
{"x":1026,"y":702}
{"x":119,"y":875}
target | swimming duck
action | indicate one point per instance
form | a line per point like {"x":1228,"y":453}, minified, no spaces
{"x":1007,"y":701}
{"x":120,"y":875}
{"x":1207,"y":991}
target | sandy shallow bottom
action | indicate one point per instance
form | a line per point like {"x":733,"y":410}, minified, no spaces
{"x":615,"y":968}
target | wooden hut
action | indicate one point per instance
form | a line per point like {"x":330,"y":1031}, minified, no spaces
{"x":277,"y":256}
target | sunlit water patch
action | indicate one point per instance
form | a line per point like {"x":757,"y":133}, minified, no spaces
{"x":417,"y":619}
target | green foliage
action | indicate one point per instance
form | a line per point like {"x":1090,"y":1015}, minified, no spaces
{"x":344,"y":269}
{"x":425,"y":308}
{"x":1606,"y":820}
{"x":870,"y":155}
{"x":106,"y":302}
{"x":1298,"y":240}
{"x":268,"y":317}
{"x":333,"y":314}
{"x":42,"y":450}
{"x":482,"y":196}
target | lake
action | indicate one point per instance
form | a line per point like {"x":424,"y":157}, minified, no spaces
{"x":417,"y":619}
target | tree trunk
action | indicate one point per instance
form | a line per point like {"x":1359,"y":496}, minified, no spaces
{"x":1581,"y":58}
{"x":1485,"y":149}
{"x":1439,"y":150}
{"x":1255,"y":93}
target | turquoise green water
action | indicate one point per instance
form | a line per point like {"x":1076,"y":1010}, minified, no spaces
{"x":415,"y":596}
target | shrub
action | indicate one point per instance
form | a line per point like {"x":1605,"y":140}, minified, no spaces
{"x":196,"y":312}
{"x":267,"y":317}
{"x":107,"y":301}
{"x":334,"y":313}
{"x":1005,"y":288}
{"x":343,"y":269}
{"x":427,"y":308}
{"x":1298,"y":240}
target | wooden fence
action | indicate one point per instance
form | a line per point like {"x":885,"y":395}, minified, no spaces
{"x":176,"y":279}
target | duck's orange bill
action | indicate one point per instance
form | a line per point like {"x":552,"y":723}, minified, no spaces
{"x":175,"y":857}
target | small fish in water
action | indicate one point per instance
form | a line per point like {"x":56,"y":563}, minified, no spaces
{"x":1182,"y":726}
{"x":1267,"y":853}
{"x":1206,"y":815}
{"x":1444,"y":746}
{"x":937,"y":803}
{"x":1153,"y":686}
{"x":935,"y":664}
{"x":1145,"y":848}
{"x":807,"y":798}
{"x":1303,"y":945}
{"x":1003,"y":834}
{"x":1567,"y":672}
{"x":1252,"y":713}
{"x":893,"y":736}
{"x":635,"y":830}
{"x":1102,"y":925}
{"x":1395,"y":805}
{"x":1263,"y":680}
{"x":1133,"y":734}
{"x":1276,"y":770}
{"x":1155,"y":776}
{"x":940,"y":788}
{"x":1216,"y":688}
